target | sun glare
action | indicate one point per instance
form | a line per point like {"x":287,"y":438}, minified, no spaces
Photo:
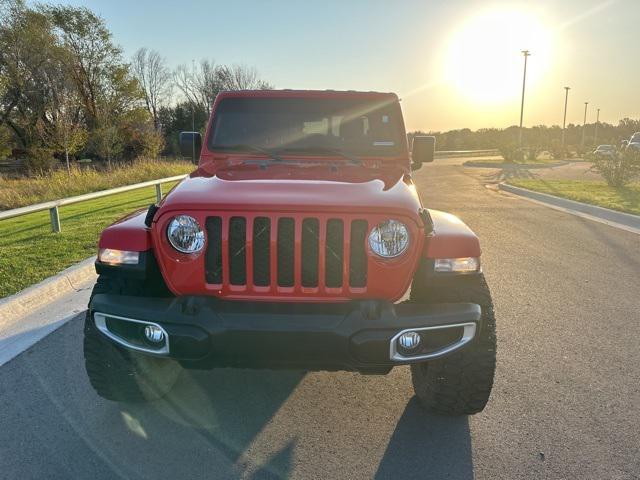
{"x":484,"y":60}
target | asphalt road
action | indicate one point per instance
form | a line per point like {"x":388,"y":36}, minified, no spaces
{"x":566,"y":403}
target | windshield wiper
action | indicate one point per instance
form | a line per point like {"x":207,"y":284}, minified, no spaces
{"x":319,"y":149}
{"x":252,"y":148}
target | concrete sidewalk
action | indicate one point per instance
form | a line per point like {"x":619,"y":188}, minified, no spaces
{"x":32,"y":314}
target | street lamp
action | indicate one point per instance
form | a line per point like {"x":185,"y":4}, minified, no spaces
{"x":584,"y":123}
{"x":595,"y":134}
{"x":524,"y":80}
{"x":193,"y":118}
{"x":564,"y":121}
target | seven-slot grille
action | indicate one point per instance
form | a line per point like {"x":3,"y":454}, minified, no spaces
{"x":263,"y":252}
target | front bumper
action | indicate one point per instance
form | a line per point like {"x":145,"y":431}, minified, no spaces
{"x":205,"y":332}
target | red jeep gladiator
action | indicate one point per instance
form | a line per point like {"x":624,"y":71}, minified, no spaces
{"x":293,"y":245}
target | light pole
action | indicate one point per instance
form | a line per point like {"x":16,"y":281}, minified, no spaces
{"x":193,"y":118}
{"x":524,"y":80}
{"x":595,"y":133}
{"x":564,"y":121}
{"x":584,"y":123}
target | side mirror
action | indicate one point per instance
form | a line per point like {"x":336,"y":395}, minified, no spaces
{"x":423,"y":151}
{"x":190,"y":145}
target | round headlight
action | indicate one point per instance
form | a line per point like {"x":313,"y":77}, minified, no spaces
{"x":389,"y":239}
{"x":185,"y":234}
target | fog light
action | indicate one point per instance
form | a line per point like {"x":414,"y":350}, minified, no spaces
{"x":154,"y":334}
{"x":409,"y":341}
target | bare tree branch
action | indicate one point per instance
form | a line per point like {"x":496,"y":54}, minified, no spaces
{"x":154,"y":78}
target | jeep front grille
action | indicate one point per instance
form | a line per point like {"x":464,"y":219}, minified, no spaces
{"x":263,"y":252}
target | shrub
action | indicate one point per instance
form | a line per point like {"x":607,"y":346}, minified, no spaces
{"x":152,"y":144}
{"x":557,"y":151}
{"x":511,"y":152}
{"x":5,"y":142}
{"x":533,"y":151}
{"x":619,"y":169}
{"x":39,"y":161}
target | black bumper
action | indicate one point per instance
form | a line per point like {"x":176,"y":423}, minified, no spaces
{"x":205,"y":332}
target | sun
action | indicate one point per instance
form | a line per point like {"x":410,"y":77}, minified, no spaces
{"x":484,"y":60}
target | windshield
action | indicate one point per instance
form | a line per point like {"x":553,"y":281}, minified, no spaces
{"x":319,"y":126}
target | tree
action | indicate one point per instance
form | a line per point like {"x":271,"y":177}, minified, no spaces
{"x":201,"y":84}
{"x":64,"y":131}
{"x":179,"y":118}
{"x":139,"y":136}
{"x":154,"y":77}
{"x":28,"y":53}
{"x":5,"y":142}
{"x":106,"y":142}
{"x":241,"y":77}
{"x":93,"y":62}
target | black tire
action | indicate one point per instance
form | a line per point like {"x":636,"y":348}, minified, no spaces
{"x":116,"y":373}
{"x":461,"y":383}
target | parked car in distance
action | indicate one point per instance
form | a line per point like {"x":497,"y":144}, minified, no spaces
{"x":605,"y":151}
{"x":634,"y":142}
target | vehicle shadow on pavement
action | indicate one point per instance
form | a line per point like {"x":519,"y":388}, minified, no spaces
{"x":227,"y":409}
{"x":425,"y":446}
{"x":219,"y":424}
{"x":52,"y":425}
{"x":507,"y":173}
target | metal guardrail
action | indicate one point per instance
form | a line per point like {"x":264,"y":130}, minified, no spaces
{"x":464,"y":153}
{"x":53,"y":205}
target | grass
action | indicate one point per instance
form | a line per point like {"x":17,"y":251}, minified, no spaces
{"x":624,"y":199}
{"x":30,"y":252}
{"x":59,"y":184}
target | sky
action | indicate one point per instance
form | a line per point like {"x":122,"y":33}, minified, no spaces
{"x":455,"y":64}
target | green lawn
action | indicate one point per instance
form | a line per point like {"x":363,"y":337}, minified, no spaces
{"x":625,"y":199}
{"x":30,"y":252}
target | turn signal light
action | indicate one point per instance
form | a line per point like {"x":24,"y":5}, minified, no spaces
{"x":457,"y":265}
{"x":118,"y":257}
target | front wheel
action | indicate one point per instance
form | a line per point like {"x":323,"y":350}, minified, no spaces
{"x":461,"y":383}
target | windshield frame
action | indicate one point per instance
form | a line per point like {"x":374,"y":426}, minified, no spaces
{"x":379,"y":101}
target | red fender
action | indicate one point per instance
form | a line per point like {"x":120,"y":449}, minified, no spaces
{"x":451,"y":238}
{"x":129,"y":233}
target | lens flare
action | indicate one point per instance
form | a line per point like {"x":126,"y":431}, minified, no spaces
{"x":484,"y":58}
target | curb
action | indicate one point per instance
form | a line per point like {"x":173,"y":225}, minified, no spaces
{"x":613,"y":218}
{"x":474,"y":164}
{"x":36,"y":296}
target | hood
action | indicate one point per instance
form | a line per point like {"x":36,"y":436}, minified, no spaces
{"x":296,"y":188}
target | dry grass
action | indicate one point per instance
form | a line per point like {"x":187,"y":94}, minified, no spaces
{"x":59,"y":184}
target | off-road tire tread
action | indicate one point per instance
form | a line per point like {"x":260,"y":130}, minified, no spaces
{"x":461,"y":383}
